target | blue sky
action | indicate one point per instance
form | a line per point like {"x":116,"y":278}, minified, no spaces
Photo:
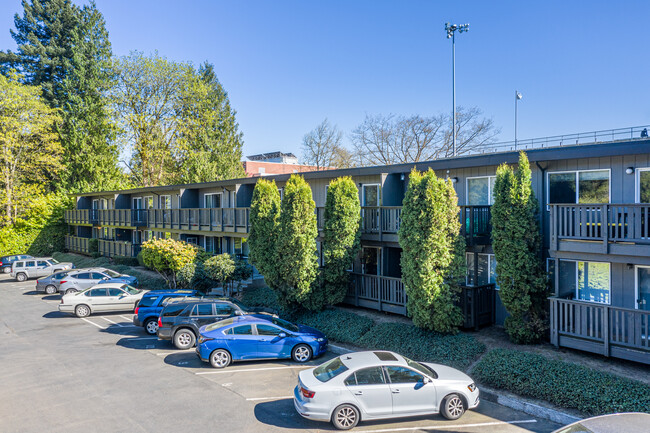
{"x":287,"y":65}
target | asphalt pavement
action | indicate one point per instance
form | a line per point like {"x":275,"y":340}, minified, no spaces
{"x":59,"y":373}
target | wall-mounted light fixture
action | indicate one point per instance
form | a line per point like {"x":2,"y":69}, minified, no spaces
{"x":454,"y":180}
{"x":401,"y":176}
{"x":630,"y":266}
{"x":629,"y":170}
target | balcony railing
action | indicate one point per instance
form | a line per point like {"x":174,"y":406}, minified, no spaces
{"x":117,"y":248}
{"x":80,"y":216}
{"x":607,"y":223}
{"x":121,"y":217}
{"x":476,"y":224}
{"x":77,"y":244}
{"x":478,"y":304}
{"x":219,"y":219}
{"x":599,"y":328}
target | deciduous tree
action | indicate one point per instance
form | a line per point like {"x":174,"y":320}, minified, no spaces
{"x":169,"y":256}
{"x":322,"y":146}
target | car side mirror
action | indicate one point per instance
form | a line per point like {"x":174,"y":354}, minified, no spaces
{"x":282,"y":335}
{"x":238,"y":313}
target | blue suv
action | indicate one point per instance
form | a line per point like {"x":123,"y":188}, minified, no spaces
{"x":149,"y":308}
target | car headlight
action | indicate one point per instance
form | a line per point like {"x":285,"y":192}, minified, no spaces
{"x":320,"y":339}
{"x":471,"y":387}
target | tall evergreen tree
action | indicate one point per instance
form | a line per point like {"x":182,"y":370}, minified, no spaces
{"x":296,"y":243}
{"x":210,"y":145}
{"x":264,"y":227}
{"x":432,"y":257}
{"x":341,"y":243}
{"x":516,"y":242}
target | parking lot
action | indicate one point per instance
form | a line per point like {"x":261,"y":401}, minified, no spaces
{"x":61,"y":373}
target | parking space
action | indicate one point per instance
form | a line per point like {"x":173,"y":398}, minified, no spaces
{"x":103,"y":373}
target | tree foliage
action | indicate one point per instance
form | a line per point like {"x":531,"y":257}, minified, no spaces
{"x":30,"y":152}
{"x":341,"y":243}
{"x":264,"y":227}
{"x":516,"y":243}
{"x":322,"y":146}
{"x":296,"y":243}
{"x":220,"y":267}
{"x":383,"y":140}
{"x":169,"y":256}
{"x":432,"y":252}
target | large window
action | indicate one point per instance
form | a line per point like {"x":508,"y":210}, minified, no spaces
{"x":582,"y":186}
{"x":480,"y":190}
{"x":165,"y":202}
{"x":370,"y":261}
{"x":643,"y":288}
{"x":589,"y":281}
{"x":370,"y":195}
{"x":212,"y":201}
{"x":485,"y":270}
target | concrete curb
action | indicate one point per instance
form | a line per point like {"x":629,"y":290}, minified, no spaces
{"x":505,"y":399}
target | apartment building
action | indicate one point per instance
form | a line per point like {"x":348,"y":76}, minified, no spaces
{"x":594,"y":203}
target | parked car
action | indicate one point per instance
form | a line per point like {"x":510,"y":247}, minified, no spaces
{"x":181,"y":319}
{"x":149,"y":308}
{"x":7,"y":261}
{"x":21,"y":270}
{"x":246,"y":338}
{"x":50,"y":284}
{"x":101,"y":298}
{"x":379,"y":385}
{"x":613,"y":422}
{"x":82,"y":279}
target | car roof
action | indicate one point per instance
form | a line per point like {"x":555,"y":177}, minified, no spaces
{"x":109,"y":286}
{"x":171,"y":292}
{"x":77,"y":271}
{"x":195,"y":300}
{"x":370,"y":358}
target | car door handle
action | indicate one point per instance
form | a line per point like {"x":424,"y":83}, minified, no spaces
{"x":395,"y":391}
{"x":358,"y":392}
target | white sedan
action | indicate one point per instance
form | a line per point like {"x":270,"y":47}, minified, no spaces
{"x":378,"y":385}
{"x":101,"y":298}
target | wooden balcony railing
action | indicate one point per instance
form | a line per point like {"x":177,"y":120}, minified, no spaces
{"x":476,"y":224}
{"x":478,"y":304}
{"x":77,"y":244}
{"x":607,"y":223}
{"x":80,"y":216}
{"x":116,"y":248}
{"x":121,"y":217}
{"x":220,"y":219}
{"x":599,"y":328}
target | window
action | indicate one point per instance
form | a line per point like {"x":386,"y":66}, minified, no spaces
{"x":550,"y":272}
{"x":137,"y":203}
{"x":210,"y":244}
{"x":403,"y":375}
{"x":165,"y":202}
{"x":20,"y":264}
{"x":268,"y":330}
{"x":485,"y":269}
{"x":643,"y":185}
{"x":114,"y":291}
{"x":369,"y":376}
{"x":330,"y":369}
{"x":97,"y":276}
{"x":202,"y":310}
{"x":643,"y":288}
{"x":480,"y":190}
{"x":83,"y":276}
{"x":31,"y":264}
{"x":587,"y":281}
{"x":370,"y":195}
{"x":370,"y":261}
{"x":238,"y":246}
{"x":582,"y":186}
{"x":242,"y":330}
{"x":42,"y":263}
{"x":212,"y":201}
{"x":97,"y":292}
{"x":224,"y":309}
{"x":192,"y":240}
{"x":148,"y":202}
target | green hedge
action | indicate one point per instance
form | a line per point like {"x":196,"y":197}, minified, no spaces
{"x":260,"y":297}
{"x":455,"y":350}
{"x":568,"y":385}
{"x":339,"y":325}
{"x":126,"y":261}
{"x":146,"y":280}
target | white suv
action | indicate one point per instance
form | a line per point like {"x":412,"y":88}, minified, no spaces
{"x":21,"y":270}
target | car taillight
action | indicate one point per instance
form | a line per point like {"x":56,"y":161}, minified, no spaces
{"x":136,"y":310}
{"x":307,"y":393}
{"x":160,"y":322}
{"x":63,"y":282}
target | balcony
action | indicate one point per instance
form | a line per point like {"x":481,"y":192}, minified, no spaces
{"x":599,"y":328}
{"x":80,"y":217}
{"x":476,"y":224}
{"x":110,"y":248}
{"x":76,"y":244}
{"x":233,"y":220}
{"x":387,"y":294}
{"x":618,"y":229}
{"x":121,"y":217}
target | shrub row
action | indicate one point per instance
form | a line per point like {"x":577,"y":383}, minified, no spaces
{"x":347,"y":327}
{"x":146,"y":280}
{"x":564,"y":384}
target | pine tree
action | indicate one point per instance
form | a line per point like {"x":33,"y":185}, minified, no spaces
{"x":341,"y":243}
{"x":432,"y":257}
{"x":264,"y":226}
{"x":516,"y":242}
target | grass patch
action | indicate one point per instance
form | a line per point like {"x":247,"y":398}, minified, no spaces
{"x":564,"y":384}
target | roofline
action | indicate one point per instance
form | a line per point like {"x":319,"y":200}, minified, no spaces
{"x":611,"y":148}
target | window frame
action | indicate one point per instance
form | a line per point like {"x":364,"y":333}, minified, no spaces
{"x":363,"y":194}
{"x":575,"y":294}
{"x":161,"y":199}
{"x":636,"y":285}
{"x":577,"y":173}
{"x":210,"y":194}
{"x":637,"y":184}
{"x":490,"y":192}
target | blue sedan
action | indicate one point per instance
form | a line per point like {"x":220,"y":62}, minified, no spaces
{"x":247,"y":338}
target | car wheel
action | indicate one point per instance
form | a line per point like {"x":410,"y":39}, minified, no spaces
{"x":151,"y":326}
{"x":184,"y":339}
{"x":50,"y":289}
{"x":220,"y":358}
{"x":453,"y":407}
{"x":301,"y":353}
{"x":21,"y":277}
{"x":69,"y":291}
{"x":345,"y":417}
{"x":82,"y":310}
{"x":6,"y":270}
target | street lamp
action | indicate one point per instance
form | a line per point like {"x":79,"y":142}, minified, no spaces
{"x":517,"y":98}
{"x":451,"y":33}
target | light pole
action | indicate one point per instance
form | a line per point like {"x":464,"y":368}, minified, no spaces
{"x":517,"y":98}
{"x":451,"y":33}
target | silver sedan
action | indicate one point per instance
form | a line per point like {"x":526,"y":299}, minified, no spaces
{"x":379,"y":385}
{"x":101,"y":298}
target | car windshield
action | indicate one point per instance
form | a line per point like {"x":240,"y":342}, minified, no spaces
{"x":59,"y":276}
{"x":329,"y":370}
{"x":219,"y":324}
{"x":112,"y":274}
{"x":54,"y":261}
{"x":130,"y":290}
{"x":283,"y":324}
{"x":421,"y":368}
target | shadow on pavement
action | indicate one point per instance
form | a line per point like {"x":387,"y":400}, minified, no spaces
{"x":127,"y":330}
{"x":56,"y":315}
{"x":33,"y":292}
{"x":282,"y":413}
{"x":51,"y":297}
{"x":139,"y":343}
{"x":186,"y":359}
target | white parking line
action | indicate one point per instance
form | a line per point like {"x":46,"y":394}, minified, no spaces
{"x":252,"y":369}
{"x":126,"y":318}
{"x":452,"y":426}
{"x":92,"y":323}
{"x":110,"y":321}
{"x":168,"y":353}
{"x":269,"y":398}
